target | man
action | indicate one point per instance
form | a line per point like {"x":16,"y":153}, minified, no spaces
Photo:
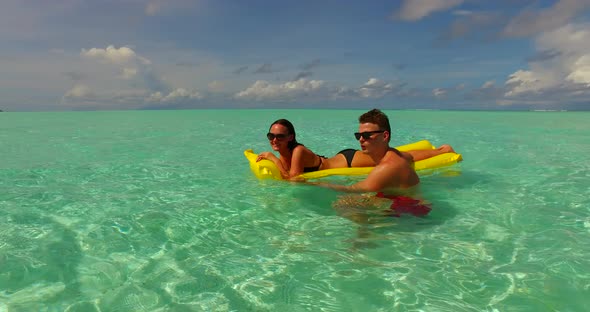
{"x":393,"y":169}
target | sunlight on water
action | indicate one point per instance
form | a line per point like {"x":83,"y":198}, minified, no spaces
{"x":158,"y":211}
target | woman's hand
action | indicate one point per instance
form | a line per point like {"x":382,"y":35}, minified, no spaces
{"x":265,"y":155}
{"x":270,"y":156}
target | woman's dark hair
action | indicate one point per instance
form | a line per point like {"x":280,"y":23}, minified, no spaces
{"x":289,"y":126}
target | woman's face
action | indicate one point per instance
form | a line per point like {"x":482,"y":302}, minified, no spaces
{"x":279,"y":137}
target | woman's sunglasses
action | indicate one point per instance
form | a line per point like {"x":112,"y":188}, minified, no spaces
{"x":279,"y":136}
{"x":366,"y":135}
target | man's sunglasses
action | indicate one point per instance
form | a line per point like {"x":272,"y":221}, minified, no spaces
{"x":366,"y":135}
{"x":279,"y":136}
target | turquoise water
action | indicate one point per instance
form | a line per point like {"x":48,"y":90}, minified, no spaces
{"x":158,"y":211}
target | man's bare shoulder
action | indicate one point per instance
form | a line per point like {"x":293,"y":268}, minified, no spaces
{"x":394,"y":159}
{"x":392,"y":165}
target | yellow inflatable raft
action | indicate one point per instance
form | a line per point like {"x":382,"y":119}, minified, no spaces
{"x":266,"y":169}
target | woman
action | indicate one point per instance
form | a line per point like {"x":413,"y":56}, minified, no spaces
{"x":296,"y":159}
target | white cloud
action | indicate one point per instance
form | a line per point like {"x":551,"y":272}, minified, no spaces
{"x":215,"y":86}
{"x":375,"y":88}
{"x":413,"y":10}
{"x":523,"y":81}
{"x":439,"y":92}
{"x":262,"y":89}
{"x":530,"y":22}
{"x":568,"y":70}
{"x":130,"y":65}
{"x":79,"y":91}
{"x":581,"y":71}
{"x":129,"y":73}
{"x":121,"y":78}
{"x":488,"y":84}
{"x":122,"y":55}
{"x":177,"y":95}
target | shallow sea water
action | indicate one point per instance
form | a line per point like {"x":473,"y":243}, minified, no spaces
{"x":158,"y":211}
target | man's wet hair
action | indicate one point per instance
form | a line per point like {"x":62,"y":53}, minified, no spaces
{"x":377,"y":117}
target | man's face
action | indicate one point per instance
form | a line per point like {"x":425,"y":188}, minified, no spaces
{"x":370,"y":136}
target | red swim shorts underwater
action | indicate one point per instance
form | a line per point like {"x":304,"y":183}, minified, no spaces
{"x":405,"y":205}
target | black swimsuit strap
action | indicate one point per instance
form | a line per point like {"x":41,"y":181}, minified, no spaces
{"x":348,"y":155}
{"x":314,"y":168}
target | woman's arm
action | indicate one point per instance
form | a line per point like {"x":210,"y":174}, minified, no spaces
{"x":270,"y":156}
{"x":297,"y":160}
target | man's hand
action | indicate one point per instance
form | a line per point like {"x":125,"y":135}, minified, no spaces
{"x":298,"y":179}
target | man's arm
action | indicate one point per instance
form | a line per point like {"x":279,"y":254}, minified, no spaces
{"x":383,"y":176}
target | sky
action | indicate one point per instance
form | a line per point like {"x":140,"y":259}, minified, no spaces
{"x":63,"y":55}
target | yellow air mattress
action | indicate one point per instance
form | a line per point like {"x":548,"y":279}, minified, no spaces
{"x":266,"y":169}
